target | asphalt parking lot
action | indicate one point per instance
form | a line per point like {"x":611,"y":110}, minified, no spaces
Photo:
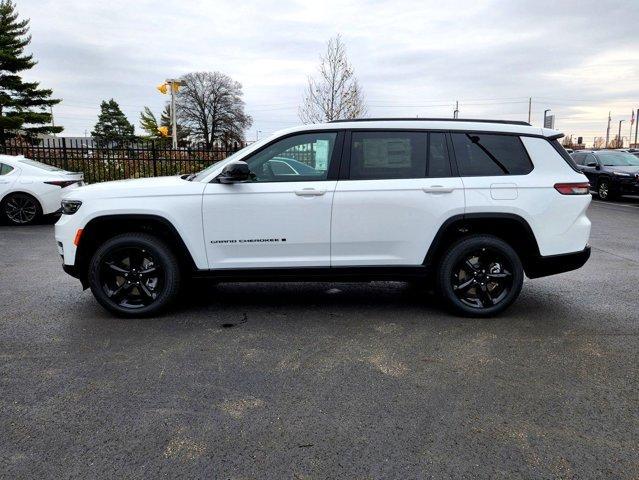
{"x":323,"y":380}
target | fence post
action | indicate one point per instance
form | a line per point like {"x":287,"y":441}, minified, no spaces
{"x":64,"y":153}
{"x":154,"y":156}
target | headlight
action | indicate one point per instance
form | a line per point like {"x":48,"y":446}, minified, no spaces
{"x":69,"y":207}
{"x":622,"y":174}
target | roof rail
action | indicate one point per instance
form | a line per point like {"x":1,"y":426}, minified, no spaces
{"x":483,"y":120}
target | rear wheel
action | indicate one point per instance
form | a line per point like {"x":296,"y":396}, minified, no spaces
{"x":21,"y":209}
{"x":134,"y":275}
{"x":480,"y":276}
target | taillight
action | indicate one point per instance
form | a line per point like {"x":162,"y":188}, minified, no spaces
{"x":581,"y":188}
{"x":62,"y":183}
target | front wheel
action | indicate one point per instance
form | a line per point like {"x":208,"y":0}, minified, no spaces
{"x":134,"y":275}
{"x":480,"y":276}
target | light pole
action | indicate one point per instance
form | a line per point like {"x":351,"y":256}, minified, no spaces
{"x":619,"y":136}
{"x":608,"y":130}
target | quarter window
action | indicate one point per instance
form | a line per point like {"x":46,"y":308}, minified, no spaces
{"x":480,"y":154}
{"x":4,"y":169}
{"x":299,"y":158}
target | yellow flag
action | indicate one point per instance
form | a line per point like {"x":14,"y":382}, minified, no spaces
{"x":164,"y":131}
{"x":162,"y":88}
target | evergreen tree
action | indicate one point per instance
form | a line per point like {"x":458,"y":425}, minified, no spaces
{"x":24,"y":107}
{"x":149,"y":124}
{"x":113,"y":128}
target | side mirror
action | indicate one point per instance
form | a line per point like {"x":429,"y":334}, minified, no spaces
{"x":597,"y":167}
{"x":235,"y":172}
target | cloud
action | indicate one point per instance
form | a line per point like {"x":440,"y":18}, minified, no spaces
{"x":577,"y":58}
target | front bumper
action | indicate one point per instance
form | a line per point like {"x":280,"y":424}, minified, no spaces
{"x":553,"y":264}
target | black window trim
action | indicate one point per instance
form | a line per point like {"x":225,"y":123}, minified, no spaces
{"x":518,"y":135}
{"x":344,"y":172}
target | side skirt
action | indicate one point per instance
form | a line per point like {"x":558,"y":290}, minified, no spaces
{"x":317,"y":274}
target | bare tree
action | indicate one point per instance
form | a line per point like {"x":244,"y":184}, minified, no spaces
{"x":568,"y":142}
{"x":335,"y":94}
{"x":598,"y":143}
{"x":210,"y":105}
{"x":616,"y":142}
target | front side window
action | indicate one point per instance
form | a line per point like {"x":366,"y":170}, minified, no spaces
{"x":579,"y":158}
{"x":480,"y":154}
{"x":5,"y":169}
{"x":299,"y":158}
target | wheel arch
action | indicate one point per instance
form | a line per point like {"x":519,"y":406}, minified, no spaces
{"x":100,"y":229}
{"x":511,"y":228}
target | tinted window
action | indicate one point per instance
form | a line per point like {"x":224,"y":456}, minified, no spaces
{"x":4,"y":169}
{"x":618,"y":159}
{"x":579,"y":158}
{"x":438,"y":160}
{"x":590,"y":160}
{"x":386,"y":155}
{"x":480,"y":154}
{"x":298,"y":158}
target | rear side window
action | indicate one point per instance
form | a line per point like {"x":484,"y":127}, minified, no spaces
{"x":579,"y":158}
{"x":398,"y":154}
{"x":480,"y":154}
{"x":4,"y":169}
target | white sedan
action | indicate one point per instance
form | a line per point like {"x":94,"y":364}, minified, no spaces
{"x":30,"y":189}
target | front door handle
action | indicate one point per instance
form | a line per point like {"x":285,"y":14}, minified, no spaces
{"x":437,"y":189}
{"x":309,"y":192}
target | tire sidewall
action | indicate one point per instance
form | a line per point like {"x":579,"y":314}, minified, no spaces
{"x":3,"y":204}
{"x":159,"y":251}
{"x":463,"y":247}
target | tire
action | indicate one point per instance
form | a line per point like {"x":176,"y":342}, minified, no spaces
{"x":21,"y":209}
{"x":134,"y":275}
{"x":480,"y":276}
{"x":604,"y":190}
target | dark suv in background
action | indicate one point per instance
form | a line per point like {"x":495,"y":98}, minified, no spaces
{"x":611,"y":172}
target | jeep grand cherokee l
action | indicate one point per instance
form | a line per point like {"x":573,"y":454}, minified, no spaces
{"x":473,"y":205}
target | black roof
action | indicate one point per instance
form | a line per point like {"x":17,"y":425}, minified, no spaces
{"x":483,"y":120}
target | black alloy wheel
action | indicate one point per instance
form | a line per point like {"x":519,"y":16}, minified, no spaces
{"x":134,"y":275}
{"x":480,"y":276}
{"x":21,"y":209}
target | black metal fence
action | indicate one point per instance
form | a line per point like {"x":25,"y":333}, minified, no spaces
{"x":119,"y":160}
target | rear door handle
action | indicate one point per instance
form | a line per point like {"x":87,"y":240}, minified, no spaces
{"x":437,"y":189}
{"x":309,"y":192}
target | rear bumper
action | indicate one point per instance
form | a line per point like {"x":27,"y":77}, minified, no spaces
{"x":71,"y":270}
{"x":553,"y":264}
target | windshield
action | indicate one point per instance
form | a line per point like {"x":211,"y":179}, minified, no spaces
{"x":42,"y":166}
{"x":618,"y":159}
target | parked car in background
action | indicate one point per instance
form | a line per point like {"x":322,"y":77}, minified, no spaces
{"x":30,"y":189}
{"x":611,"y":172}
{"x":472,"y":206}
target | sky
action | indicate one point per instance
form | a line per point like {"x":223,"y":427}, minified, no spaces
{"x":412,"y":58}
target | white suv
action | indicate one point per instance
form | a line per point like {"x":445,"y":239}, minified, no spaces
{"x":470,"y":204}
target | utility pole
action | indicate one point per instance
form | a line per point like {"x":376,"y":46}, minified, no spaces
{"x":529,"y":108}
{"x":620,"y":139}
{"x":608,"y":131}
{"x":456,"y":112}
{"x":636,"y":129}
{"x":173,"y":85}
